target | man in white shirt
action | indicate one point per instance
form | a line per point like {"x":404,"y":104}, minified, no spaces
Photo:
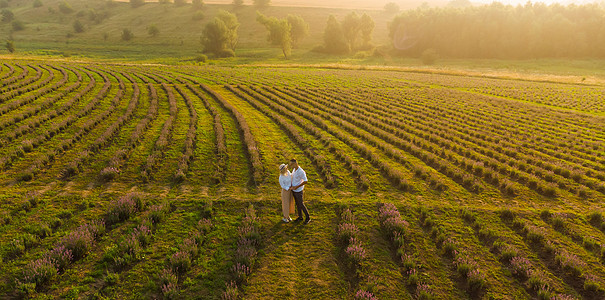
{"x":299,"y":179}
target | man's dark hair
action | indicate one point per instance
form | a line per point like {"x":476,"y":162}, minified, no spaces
{"x":293,"y":161}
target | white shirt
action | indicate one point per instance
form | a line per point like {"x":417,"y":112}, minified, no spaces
{"x":285,"y":181}
{"x":299,"y":176}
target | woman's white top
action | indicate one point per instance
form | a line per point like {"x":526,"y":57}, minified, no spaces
{"x":285,"y":181}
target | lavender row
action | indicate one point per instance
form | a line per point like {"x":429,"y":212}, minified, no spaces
{"x":219,"y":132}
{"x":320,"y":162}
{"x":161,"y":143}
{"x":183,"y":259}
{"x":73,"y":167}
{"x":247,"y":245}
{"x":75,"y":245}
{"x":284,"y":108}
{"x":250,"y":143}
{"x":117,"y":160}
{"x":395,"y":228}
{"x":355,"y":255}
{"x":189,"y":147}
{"x":467,"y":268}
{"x":12,"y":92}
{"x":569,"y":265}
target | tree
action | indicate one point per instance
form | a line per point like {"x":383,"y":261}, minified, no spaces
{"x":197,"y":4}
{"x":261,"y":3}
{"x":78,"y":26}
{"x":279,"y":32}
{"x":230,"y":20}
{"x":459,"y":3}
{"x":136,"y":3}
{"x":17,"y":25}
{"x":7,"y":15}
{"x":334,"y":39}
{"x":391,"y":8}
{"x":299,"y":28}
{"x":220,"y":35}
{"x":127,"y":35}
{"x":238,"y":3}
{"x":10,"y":46}
{"x":351,"y":26}
{"x":367,"y":28}
{"x":65,"y":8}
{"x":153,"y":30}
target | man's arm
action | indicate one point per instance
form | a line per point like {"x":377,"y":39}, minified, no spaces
{"x":296,"y":187}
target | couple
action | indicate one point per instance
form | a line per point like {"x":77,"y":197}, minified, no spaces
{"x":292,"y":186}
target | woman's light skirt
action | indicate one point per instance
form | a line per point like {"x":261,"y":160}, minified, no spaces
{"x":287,"y":203}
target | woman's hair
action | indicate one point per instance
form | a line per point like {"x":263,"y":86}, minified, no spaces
{"x":283,"y":168}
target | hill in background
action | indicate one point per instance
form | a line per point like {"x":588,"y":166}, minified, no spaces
{"x":48,"y":30}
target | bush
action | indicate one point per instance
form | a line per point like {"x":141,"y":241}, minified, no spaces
{"x":429,"y":56}
{"x":37,"y":3}
{"x":201,"y":58}
{"x":180,"y":262}
{"x":18,"y":25}
{"x":231,"y":291}
{"x":122,"y":208}
{"x":39,"y":271}
{"x":364,"y":295}
{"x":198,"y":16}
{"x":127,"y":35}
{"x":78,"y":26}
{"x":65,"y":8}
{"x":345,"y":232}
{"x":61,"y":257}
{"x":476,"y":281}
{"x":78,"y":242}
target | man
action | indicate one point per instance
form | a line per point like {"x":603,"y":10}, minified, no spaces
{"x":299,"y":179}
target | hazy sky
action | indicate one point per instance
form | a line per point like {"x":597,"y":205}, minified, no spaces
{"x":378,"y":4}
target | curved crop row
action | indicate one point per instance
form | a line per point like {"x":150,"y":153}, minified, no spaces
{"x":221,"y":144}
{"x":395,"y":229}
{"x":188,"y":150}
{"x":248,"y":242}
{"x":572,"y":269}
{"x":251,"y":145}
{"x":9,"y":73}
{"x":38,"y":94}
{"x":14,"y":79}
{"x":355,"y":255}
{"x":74,"y":167}
{"x":55,"y":129}
{"x":183,"y":259}
{"x":467,"y":268}
{"x":286,"y":109}
{"x":117,"y":160}
{"x":162,"y":142}
{"x":535,"y":279}
{"x":16,"y":91}
{"x":319,"y":161}
{"x":75,"y":245}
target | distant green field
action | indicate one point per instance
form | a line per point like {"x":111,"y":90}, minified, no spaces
{"x":135,"y":181}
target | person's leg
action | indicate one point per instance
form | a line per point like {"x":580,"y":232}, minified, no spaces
{"x":304,"y":207}
{"x":285,"y":204}
{"x":298,"y":199}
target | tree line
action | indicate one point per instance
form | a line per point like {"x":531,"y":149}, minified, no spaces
{"x":533,"y":30}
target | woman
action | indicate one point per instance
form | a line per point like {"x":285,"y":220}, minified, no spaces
{"x":287,"y":201}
